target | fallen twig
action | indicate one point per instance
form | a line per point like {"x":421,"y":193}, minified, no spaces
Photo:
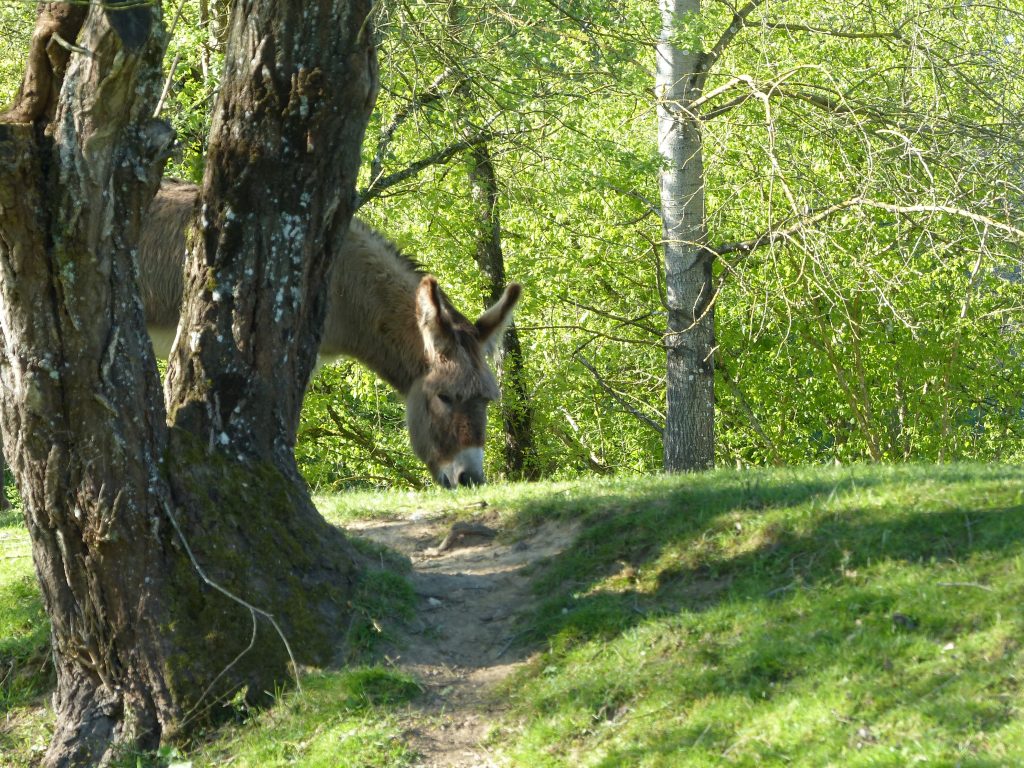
{"x":973,"y":584}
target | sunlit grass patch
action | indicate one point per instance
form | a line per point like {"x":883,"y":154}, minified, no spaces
{"x":24,"y":628}
{"x":339,"y":720}
{"x":841,"y":617}
{"x":26,"y":672}
{"x":518,"y":503}
{"x":865,"y":616}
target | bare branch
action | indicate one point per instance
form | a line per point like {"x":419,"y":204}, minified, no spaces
{"x":618,"y":397}
{"x":708,"y":59}
{"x":986,"y":221}
{"x":636,"y":322}
{"x":891,"y":35}
{"x":576,"y":440}
{"x":734,"y":386}
{"x":352,"y":432}
{"x":835,"y":105}
{"x":724,"y":88}
{"x":380,"y":185}
{"x":432,"y":93}
{"x":776,"y":232}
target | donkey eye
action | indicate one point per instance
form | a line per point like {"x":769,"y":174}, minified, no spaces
{"x":446,"y":399}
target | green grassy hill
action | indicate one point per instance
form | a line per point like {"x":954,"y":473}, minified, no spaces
{"x":841,"y":616}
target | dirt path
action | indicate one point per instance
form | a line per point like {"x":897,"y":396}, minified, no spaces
{"x":470,"y":589}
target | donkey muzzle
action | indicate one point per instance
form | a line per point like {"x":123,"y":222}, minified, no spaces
{"x":466,"y":469}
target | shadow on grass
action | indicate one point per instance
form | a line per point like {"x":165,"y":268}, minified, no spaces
{"x":836,"y":589}
{"x":674,"y":541}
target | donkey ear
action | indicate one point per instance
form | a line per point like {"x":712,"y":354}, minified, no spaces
{"x":431,"y":316}
{"x":492,"y":322}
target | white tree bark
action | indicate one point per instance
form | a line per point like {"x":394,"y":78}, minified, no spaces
{"x":689,"y":438}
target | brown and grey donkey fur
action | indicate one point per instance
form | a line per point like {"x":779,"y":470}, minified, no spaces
{"x":381,"y":310}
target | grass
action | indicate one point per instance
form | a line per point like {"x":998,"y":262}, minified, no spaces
{"x":864,"y":616}
{"x":340,"y":720}
{"x":25,"y":670}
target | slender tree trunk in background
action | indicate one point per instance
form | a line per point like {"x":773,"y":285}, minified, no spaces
{"x":689,"y":440}
{"x":213,"y":19}
{"x":152,"y":545}
{"x":516,"y":414}
{"x":5,"y":503}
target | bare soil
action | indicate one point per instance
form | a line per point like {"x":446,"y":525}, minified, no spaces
{"x":470,"y":585}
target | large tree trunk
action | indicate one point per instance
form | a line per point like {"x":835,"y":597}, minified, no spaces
{"x":516,"y":414}
{"x":160,"y":554}
{"x":80,"y":403}
{"x":277,"y":197}
{"x":689,"y":437}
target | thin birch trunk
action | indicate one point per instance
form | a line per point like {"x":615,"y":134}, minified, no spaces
{"x":689,"y":438}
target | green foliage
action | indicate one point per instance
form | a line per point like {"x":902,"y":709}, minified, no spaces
{"x":16,"y":20}
{"x":192,"y":66}
{"x":864,"y":333}
{"x":851,"y":332}
{"x":352,"y":433}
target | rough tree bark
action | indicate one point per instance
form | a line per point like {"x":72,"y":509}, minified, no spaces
{"x":689,"y":436}
{"x":75,"y":362}
{"x":36,"y":99}
{"x":516,"y":414}
{"x":140,"y":532}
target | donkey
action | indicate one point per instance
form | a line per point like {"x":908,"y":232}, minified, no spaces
{"x":381,"y":310}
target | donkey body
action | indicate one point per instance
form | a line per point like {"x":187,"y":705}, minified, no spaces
{"x":381,"y":310}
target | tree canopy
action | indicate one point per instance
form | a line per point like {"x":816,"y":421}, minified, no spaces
{"x":862,"y":208}
{"x":862,"y":204}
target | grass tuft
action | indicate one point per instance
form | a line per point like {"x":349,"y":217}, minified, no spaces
{"x":341,"y":720}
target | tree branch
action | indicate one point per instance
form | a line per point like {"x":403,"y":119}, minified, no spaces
{"x":893,"y":35}
{"x":827,"y":104}
{"x":986,"y":221}
{"x":381,"y":184}
{"x":575,"y":441}
{"x":617,"y":396}
{"x":368,"y":444}
{"x":777,"y":232}
{"x":636,"y":322}
{"x":708,"y":58}
{"x":432,"y":93}
{"x":834,"y":106}
{"x":755,"y":423}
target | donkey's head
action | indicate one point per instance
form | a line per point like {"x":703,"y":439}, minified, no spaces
{"x":447,"y":406}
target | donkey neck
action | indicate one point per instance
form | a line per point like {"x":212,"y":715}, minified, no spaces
{"x":371,"y":310}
